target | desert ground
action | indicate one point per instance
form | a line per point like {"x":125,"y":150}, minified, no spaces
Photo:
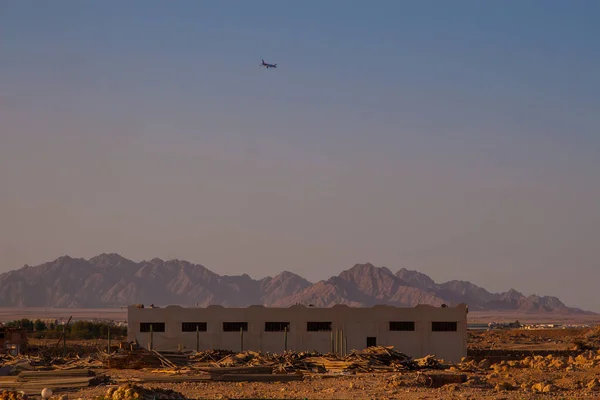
{"x":501,"y":364}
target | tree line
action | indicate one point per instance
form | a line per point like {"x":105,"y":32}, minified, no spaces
{"x":75,"y":330}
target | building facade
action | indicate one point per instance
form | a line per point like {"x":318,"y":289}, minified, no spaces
{"x":416,"y":331}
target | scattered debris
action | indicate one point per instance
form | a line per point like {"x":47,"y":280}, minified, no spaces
{"x":542,"y":370}
{"x":11,"y":395}
{"x":136,"y":392}
{"x":32,"y":382}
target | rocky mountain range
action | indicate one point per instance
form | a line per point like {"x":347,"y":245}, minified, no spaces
{"x":110,"y":280}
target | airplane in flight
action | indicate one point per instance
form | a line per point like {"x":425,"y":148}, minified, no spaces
{"x":267,"y":65}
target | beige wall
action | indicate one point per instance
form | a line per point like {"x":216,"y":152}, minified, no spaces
{"x":357,"y":324}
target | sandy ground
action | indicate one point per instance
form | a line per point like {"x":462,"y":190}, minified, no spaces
{"x":377,"y":386}
{"x":504,"y":377}
{"x":561,"y":376}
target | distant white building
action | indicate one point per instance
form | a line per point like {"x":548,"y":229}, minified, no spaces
{"x":416,"y":331}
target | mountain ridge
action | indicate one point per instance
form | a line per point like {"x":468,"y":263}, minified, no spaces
{"x":110,"y":280}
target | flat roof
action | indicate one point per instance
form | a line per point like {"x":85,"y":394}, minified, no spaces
{"x":461,"y":305}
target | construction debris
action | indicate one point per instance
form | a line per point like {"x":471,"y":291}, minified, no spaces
{"x":239,"y":370}
{"x":257,"y":377}
{"x":133,"y":359}
{"x":11,"y":395}
{"x":32,"y":382}
{"x":378,"y":358}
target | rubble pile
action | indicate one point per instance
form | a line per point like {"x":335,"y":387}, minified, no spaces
{"x":136,"y":392}
{"x":29,"y":362}
{"x":11,"y":395}
{"x":373,"y":358}
{"x":389,"y":359}
{"x":584,"y":360}
{"x":210,"y":355}
{"x":133,"y":359}
{"x":378,"y":358}
{"x":35,"y":381}
{"x":296,"y":361}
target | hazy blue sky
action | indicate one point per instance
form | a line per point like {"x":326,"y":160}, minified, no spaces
{"x":461,"y":139}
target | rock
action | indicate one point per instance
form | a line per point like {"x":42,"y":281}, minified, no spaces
{"x":504,"y":386}
{"x":558,"y":364}
{"x":538,"y":387}
{"x":593,"y":384}
{"x":581,"y":359}
{"x":549,"y":389}
{"x":526,"y":362}
{"x":500,"y":367}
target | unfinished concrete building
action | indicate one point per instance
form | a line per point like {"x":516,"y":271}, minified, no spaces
{"x":416,"y":331}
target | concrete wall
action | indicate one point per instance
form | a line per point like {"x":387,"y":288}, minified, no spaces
{"x":356,"y":323}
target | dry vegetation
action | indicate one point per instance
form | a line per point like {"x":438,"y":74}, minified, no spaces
{"x":502,"y":364}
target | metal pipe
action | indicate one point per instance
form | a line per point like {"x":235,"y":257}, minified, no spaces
{"x":332,"y":343}
{"x":64,"y":340}
{"x":346,"y":345}
{"x":336,"y":342}
{"x":197,"y":338}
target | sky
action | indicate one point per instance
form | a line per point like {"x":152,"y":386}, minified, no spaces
{"x":460,"y":139}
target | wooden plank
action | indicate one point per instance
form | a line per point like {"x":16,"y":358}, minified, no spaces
{"x":52,"y":384}
{"x":30,"y":375}
{"x":58,"y":381}
{"x":165,"y":360}
{"x":239,"y":370}
{"x":257,"y":378}
{"x":170,"y":379}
